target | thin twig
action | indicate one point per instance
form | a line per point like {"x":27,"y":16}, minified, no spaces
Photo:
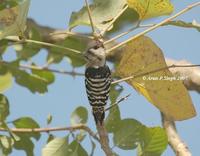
{"x":90,"y":17}
{"x":130,"y":30}
{"x":155,"y":26}
{"x":52,"y":129}
{"x":38,"y":68}
{"x":70,"y":33}
{"x":33,"y":67}
{"x":114,"y":19}
{"x":154,"y":71}
{"x":179,"y":147}
{"x":16,"y":39}
{"x":123,"y":34}
{"x":117,"y":102}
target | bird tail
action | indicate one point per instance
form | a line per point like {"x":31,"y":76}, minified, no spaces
{"x":99,"y":114}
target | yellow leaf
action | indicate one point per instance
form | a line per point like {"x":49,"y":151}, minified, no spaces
{"x":160,"y":88}
{"x":5,"y":82}
{"x":151,"y":8}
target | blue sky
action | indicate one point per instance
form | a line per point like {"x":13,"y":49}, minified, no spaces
{"x":67,"y":93}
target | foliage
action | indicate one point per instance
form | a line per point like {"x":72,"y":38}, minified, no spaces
{"x":149,"y":9}
{"x":99,"y":13}
{"x":156,"y":87}
{"x":13,"y":17}
{"x":145,"y":56}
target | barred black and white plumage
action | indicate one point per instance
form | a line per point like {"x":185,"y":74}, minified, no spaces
{"x":97,"y":81}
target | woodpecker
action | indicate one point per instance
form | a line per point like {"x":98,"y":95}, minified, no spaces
{"x":97,"y":80}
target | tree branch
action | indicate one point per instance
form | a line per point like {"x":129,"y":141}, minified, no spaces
{"x":154,"y":71}
{"x":52,"y":129}
{"x":179,"y":147}
{"x":38,"y":68}
{"x":192,"y":81}
{"x":16,"y":39}
{"x":90,"y":18}
{"x":31,"y":67}
{"x":104,"y":140}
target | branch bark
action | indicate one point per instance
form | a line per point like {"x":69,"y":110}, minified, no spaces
{"x":104,"y":140}
{"x":52,"y":129}
{"x":179,"y":147}
{"x":43,"y":68}
{"x":192,"y":75}
{"x":192,"y":82}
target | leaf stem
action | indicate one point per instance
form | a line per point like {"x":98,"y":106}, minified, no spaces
{"x":123,"y":34}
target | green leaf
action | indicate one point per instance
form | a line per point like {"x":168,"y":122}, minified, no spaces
{"x":24,"y":143}
{"x":47,"y":76}
{"x":75,"y":149}
{"x":81,"y":136}
{"x":3,"y":69}
{"x":49,"y":119}
{"x":115,"y":91}
{"x":4,"y":107}
{"x":5,"y":82}
{"x":28,"y":50}
{"x":32,"y":82}
{"x":6,"y":143}
{"x":27,"y":122}
{"x":154,"y":141}
{"x":50,"y":138}
{"x":103,"y":13}
{"x":3,"y":46}
{"x":184,"y":24}
{"x":56,"y":147}
{"x":79,"y":116}
{"x":76,"y":60}
{"x":129,"y":17}
{"x":35,"y":83}
{"x":114,"y":118}
{"x":8,"y":4}
{"x":13,"y":20}
{"x":128,"y":134}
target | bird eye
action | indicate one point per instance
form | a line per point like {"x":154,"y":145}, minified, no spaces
{"x":96,"y":47}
